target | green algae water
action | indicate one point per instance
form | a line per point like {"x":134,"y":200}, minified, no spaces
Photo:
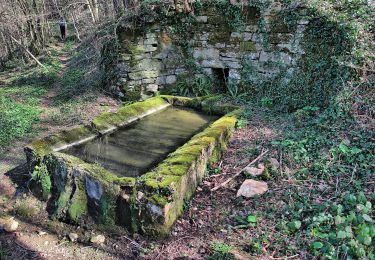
{"x":135,"y":149}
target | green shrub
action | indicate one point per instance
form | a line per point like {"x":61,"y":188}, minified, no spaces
{"x":221,"y":251}
{"x":16,"y":119}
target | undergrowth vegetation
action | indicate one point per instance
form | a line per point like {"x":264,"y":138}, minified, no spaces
{"x":20,"y":97}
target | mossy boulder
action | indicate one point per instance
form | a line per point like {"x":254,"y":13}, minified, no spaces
{"x":81,"y":190}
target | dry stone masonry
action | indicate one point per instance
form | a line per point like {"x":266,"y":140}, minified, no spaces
{"x":263,"y":48}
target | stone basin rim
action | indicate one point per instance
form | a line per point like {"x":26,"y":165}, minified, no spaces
{"x":149,"y":203}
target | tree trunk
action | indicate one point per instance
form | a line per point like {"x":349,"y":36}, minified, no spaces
{"x":105,"y":8}
{"x":89,"y":4}
{"x":116,"y":7}
{"x":75,"y":25}
{"x":95,"y":8}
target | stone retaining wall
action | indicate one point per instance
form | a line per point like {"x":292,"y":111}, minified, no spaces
{"x":151,"y":61}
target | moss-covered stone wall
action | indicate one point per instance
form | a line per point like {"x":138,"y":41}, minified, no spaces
{"x":261,"y":47}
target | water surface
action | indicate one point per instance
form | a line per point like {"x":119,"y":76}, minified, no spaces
{"x":133,"y":150}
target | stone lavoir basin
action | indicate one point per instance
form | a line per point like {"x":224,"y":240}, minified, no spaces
{"x":132,"y":150}
{"x":133,"y":168}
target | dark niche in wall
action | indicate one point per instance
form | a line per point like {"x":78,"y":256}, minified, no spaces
{"x":220,"y":78}
{"x":251,"y":14}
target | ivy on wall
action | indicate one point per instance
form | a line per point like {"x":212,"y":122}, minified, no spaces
{"x":330,"y":44}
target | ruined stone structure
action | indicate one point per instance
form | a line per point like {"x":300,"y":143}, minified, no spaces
{"x":265,"y":45}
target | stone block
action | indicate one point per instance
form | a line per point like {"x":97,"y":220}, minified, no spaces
{"x":146,"y":65}
{"x":247,"y":46}
{"x":251,"y":28}
{"x":203,"y":37}
{"x":229,"y":54}
{"x":303,"y":22}
{"x":234,"y":74}
{"x":228,"y":59}
{"x":148,"y":81}
{"x":180,"y":71}
{"x":150,"y":35}
{"x":150,"y":41}
{"x":152,"y":88}
{"x":212,"y":64}
{"x":220,"y":45}
{"x":161,"y":80}
{"x":143,"y":75}
{"x":125,"y":57}
{"x":232,"y":65}
{"x":123,"y":67}
{"x":150,"y":48}
{"x":206,"y":53}
{"x":252,"y":56}
{"x":138,"y":57}
{"x":246,"y":36}
{"x":133,"y":83}
{"x":171,"y":79}
{"x":202,"y":19}
{"x":236,"y":35}
{"x":207,"y":71}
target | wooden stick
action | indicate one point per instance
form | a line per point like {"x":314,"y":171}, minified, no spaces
{"x":240,"y":171}
{"x":28,"y":52}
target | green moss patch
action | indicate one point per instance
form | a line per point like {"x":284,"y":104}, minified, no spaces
{"x":247,"y":46}
{"x":109,"y":120}
{"x":83,"y":189}
{"x":183,"y":101}
{"x":96,"y":171}
{"x":47,"y":145}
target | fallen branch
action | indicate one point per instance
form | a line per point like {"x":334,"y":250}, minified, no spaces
{"x":240,"y":171}
{"x":28,"y":52}
{"x":134,"y":243}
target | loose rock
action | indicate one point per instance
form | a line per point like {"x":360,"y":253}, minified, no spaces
{"x":274,"y":163}
{"x":251,"y":188}
{"x":253,"y":171}
{"x":10,"y":225}
{"x":98,"y":240}
{"x":73,"y":237}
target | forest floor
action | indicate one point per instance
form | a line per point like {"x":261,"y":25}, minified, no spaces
{"x":318,"y":202}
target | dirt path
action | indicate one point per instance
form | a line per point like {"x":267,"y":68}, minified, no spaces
{"x":64,"y":59}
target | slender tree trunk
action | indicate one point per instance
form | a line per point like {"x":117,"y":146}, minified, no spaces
{"x":95,"y":8}
{"x":116,"y":7}
{"x":91,"y":11}
{"x":75,"y":25}
{"x":126,"y":4}
{"x":105,"y":8}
